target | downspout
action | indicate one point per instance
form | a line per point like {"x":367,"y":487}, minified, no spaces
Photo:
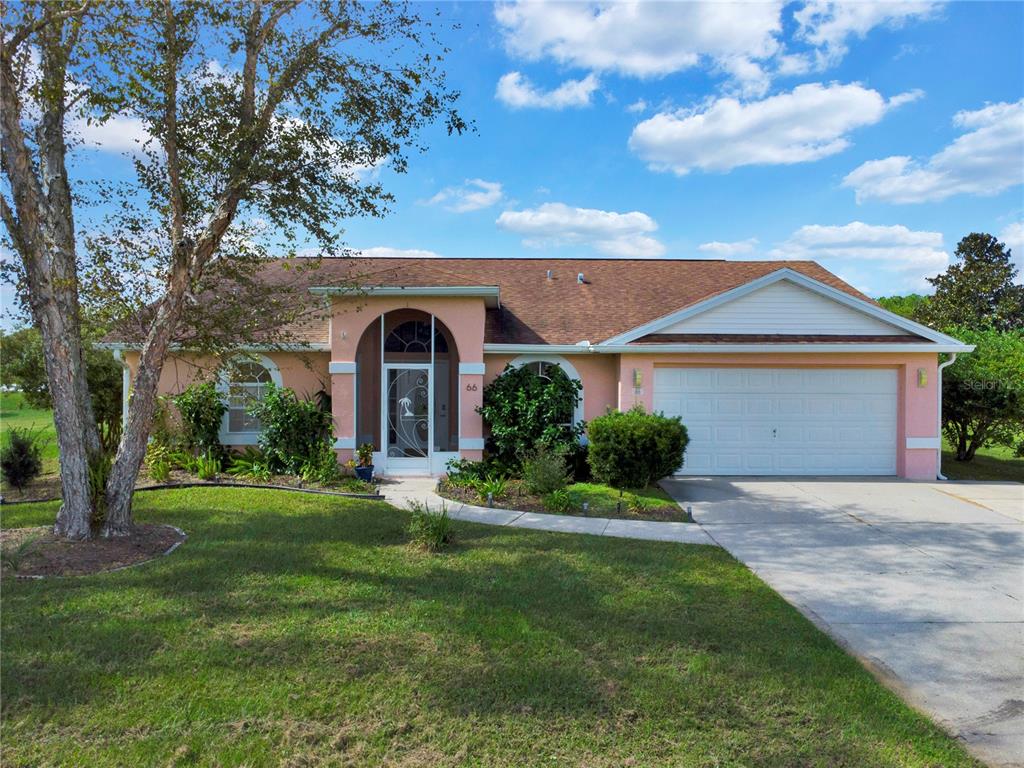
{"x":938,"y":460}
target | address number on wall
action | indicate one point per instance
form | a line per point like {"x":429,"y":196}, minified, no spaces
{"x":471,"y":387}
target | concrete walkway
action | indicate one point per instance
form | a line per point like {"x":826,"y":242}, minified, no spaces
{"x":400,"y":491}
{"x":922,"y":581}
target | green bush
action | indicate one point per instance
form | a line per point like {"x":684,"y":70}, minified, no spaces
{"x":495,"y":487}
{"x":560,"y":502}
{"x":544,"y":469}
{"x":207,"y":466}
{"x":428,"y":529}
{"x":523,"y":409}
{"x":250,"y":464}
{"x":202,"y":409}
{"x":293,"y":430}
{"x":21,"y":458}
{"x":160,"y":470}
{"x":321,"y":466}
{"x":464,"y":473}
{"x":634,"y":449}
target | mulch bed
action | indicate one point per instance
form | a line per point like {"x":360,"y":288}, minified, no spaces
{"x":41,"y":489}
{"x":38,"y":552}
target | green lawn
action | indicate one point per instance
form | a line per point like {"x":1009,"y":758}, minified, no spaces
{"x":996,"y":463}
{"x":15,"y":413}
{"x":302,"y":630}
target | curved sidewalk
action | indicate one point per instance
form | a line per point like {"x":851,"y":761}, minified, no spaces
{"x":399,"y":491}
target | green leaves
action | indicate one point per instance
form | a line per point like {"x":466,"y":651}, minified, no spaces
{"x":634,"y":449}
{"x":202,"y":408}
{"x":523,"y":408}
{"x":983,"y":391}
{"x":978,"y":291}
{"x":293,"y":433}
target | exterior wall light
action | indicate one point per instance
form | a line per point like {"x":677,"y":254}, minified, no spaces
{"x":922,"y":378}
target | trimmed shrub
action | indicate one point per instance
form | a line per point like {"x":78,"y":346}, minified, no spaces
{"x":293,"y":430}
{"x":544,"y":469}
{"x":202,"y":408}
{"x":634,"y":449}
{"x":21,"y":459}
{"x":523,"y":409}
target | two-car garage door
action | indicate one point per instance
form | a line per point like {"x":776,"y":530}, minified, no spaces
{"x":783,"y":421}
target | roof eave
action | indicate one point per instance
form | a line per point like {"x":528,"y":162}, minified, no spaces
{"x":491,"y":294}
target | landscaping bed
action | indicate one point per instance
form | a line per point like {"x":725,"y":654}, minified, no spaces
{"x":305,"y":630}
{"x":651,"y":503}
{"x":38,"y":552}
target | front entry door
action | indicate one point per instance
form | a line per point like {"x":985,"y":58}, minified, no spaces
{"x":407,"y":428}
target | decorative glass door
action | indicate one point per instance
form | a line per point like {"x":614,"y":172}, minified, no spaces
{"x":407,"y":412}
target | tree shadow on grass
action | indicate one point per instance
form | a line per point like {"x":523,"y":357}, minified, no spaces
{"x":522,"y":628}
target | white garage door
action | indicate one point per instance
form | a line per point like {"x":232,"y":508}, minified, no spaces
{"x":783,"y":421}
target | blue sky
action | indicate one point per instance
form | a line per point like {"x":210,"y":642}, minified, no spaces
{"x":606,"y":118}
{"x":867,"y":136}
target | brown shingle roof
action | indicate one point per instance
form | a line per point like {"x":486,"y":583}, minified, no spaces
{"x":617,"y":295}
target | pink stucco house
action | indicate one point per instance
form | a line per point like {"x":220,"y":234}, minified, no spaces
{"x":776,"y":367}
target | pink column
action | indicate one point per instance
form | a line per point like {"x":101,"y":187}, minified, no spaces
{"x":921,"y":441}
{"x":343,"y":389}
{"x":471,"y":423}
{"x":629,"y":393}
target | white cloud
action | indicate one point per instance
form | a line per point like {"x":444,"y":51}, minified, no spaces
{"x":828,"y":26}
{"x":985,"y":160}
{"x":384,"y":252}
{"x":613,"y":234}
{"x":643,"y":39}
{"x":728,"y":250}
{"x":119,"y":133}
{"x":740,"y":40}
{"x":878,"y":259}
{"x":1013,"y":237}
{"x":637,"y":106}
{"x":810,"y":122}
{"x":473,"y":195}
{"x":518,"y":92}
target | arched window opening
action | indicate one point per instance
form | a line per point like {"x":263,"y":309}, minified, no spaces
{"x":247,"y":386}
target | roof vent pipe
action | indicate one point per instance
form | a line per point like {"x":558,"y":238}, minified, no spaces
{"x":579,"y":278}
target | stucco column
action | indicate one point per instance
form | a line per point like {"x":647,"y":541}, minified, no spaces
{"x":921,"y":445}
{"x":636,"y":382}
{"x":343,"y":399}
{"x":471,"y":423}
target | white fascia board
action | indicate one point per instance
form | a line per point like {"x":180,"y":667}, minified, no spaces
{"x":849,"y":348}
{"x":802,"y":280}
{"x":490,"y":293}
{"x":336,"y":366}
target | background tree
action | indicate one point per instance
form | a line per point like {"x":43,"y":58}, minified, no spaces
{"x":905,"y":306}
{"x":978,"y":291}
{"x":983,"y":392}
{"x":260,"y":119}
{"x":22,"y":364}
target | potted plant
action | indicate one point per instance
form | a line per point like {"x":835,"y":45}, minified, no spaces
{"x":364,"y":454}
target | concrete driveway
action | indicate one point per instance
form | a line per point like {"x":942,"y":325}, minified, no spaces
{"x":922,"y":581}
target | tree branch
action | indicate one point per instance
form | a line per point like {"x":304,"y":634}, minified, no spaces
{"x":27,"y":30}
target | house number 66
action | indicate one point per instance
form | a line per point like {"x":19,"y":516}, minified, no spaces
{"x":471,"y":387}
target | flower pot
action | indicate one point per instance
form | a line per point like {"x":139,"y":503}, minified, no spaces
{"x":365,"y":473}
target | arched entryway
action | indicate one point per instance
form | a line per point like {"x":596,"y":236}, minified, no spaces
{"x":407,"y":372}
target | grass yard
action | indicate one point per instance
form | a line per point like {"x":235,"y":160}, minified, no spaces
{"x":601,"y":500}
{"x":996,"y":463}
{"x":14,"y":412}
{"x":303,"y":631}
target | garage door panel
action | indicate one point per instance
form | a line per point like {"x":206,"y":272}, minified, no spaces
{"x":783,"y":421}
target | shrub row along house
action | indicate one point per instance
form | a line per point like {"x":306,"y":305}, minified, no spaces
{"x":776,"y":367}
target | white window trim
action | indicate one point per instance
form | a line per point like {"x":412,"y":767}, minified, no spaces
{"x":570,"y":371}
{"x":228,"y":437}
